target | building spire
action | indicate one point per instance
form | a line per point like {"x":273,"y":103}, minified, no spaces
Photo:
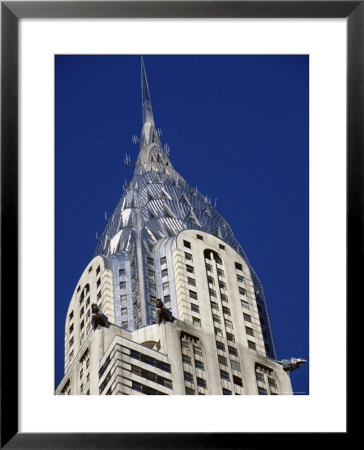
{"x":146,"y":102}
{"x":151,"y":154}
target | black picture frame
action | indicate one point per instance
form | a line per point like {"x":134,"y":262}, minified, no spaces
{"x":11,"y":12}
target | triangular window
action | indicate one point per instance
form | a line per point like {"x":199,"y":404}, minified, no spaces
{"x":168,"y":213}
{"x":165,"y":195}
{"x":150,"y":196}
{"x":191,"y":218}
{"x":217,"y":232}
{"x":185,"y":200}
{"x":152,"y":215}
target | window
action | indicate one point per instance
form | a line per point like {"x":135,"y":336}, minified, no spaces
{"x":272,"y":382}
{"x":220,"y":272}
{"x":191,"y":281}
{"x":164,"y":273}
{"x":247,"y":318}
{"x":150,"y":261}
{"x":98,"y":282}
{"x":212,"y":293}
{"x":228,"y":323}
{"x":165,"y":285}
{"x":167,"y":299}
{"x":210,"y":280}
{"x":70,"y":315}
{"x":201,"y":382}
{"x":70,"y":329}
{"x":197,"y":350}
{"x":226,"y":310}
{"x":82,"y":324}
{"x":235,"y":365}
{"x":186,"y":359}
{"x":71,"y":341}
{"x":233,"y":351}
{"x":222,"y":246}
{"x":121,"y":272}
{"x":249,"y":331}
{"x":237,"y":380}
{"x":222,"y":360}
{"x":189,"y":269}
{"x":185,"y":345}
{"x":151,"y":273}
{"x":188,"y":377}
{"x":262,"y":391}
{"x":208,"y":267}
{"x":123,"y":298}
{"x":224,"y":297}
{"x":226,"y":392}
{"x":71,"y":355}
{"x":123,"y":285}
{"x":220,"y":346}
{"x":238,"y":266}
{"x":224,"y":375}
{"x":163,"y":260}
{"x":222,"y":285}
{"x":245,"y":304}
{"x":81,"y":373}
{"x":98,"y":270}
{"x":230,"y":337}
{"x":88,"y":301}
{"x":252,"y":345}
{"x":216,"y":319}
{"x":189,"y":391}
{"x":214,"y":305}
{"x":193,"y":294}
{"x":78,"y":288}
{"x":218,"y":332}
{"x":124,"y":313}
{"x":199,"y":237}
{"x":187,"y":244}
{"x":242,"y":291}
{"x":195,"y":308}
{"x":196,"y":321}
{"x":240,"y":278}
{"x":259,"y":377}
{"x":188,"y":256}
{"x":90,"y":269}
{"x":82,"y":311}
{"x":199,"y":364}
{"x":152,"y":286}
{"x":266,"y":346}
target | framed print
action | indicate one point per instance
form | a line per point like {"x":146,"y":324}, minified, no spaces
{"x":40,"y":40}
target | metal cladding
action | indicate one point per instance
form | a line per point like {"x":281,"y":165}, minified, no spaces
{"x":158,"y":204}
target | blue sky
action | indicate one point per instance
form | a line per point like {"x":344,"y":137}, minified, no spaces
{"x":237,"y":127}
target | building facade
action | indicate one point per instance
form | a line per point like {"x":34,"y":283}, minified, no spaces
{"x":165,"y":240}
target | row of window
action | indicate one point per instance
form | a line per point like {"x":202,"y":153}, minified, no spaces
{"x":151,"y":376}
{"x":150,"y":360}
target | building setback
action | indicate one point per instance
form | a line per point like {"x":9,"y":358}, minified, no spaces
{"x":165,"y":240}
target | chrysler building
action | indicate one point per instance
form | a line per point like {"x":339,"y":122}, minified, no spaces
{"x":169,"y":305}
